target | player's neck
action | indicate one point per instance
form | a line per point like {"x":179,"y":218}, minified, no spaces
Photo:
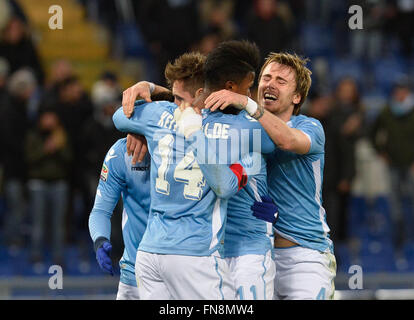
{"x":284,"y":115}
{"x":230,"y":110}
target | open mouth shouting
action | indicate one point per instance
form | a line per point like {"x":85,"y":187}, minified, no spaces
{"x":270,"y":97}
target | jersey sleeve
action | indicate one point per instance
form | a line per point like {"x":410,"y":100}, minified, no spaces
{"x":111,"y":183}
{"x":259,"y":140}
{"x":314,"y":130}
{"x":147,"y":117}
{"x":221,"y":179}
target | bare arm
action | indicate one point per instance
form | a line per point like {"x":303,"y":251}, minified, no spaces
{"x":142,"y":89}
{"x":286,"y":138}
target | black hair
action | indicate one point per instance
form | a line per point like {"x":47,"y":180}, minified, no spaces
{"x":162,"y":96}
{"x":230,"y":61}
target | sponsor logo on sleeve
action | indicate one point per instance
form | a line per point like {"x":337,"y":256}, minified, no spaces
{"x":104,"y":172}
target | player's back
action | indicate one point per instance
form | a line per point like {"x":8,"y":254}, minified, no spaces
{"x":186,"y":216}
{"x":245,"y":234}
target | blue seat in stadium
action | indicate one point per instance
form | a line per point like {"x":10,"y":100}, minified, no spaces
{"x":316,"y":40}
{"x":387,"y":71}
{"x":132,"y":40}
{"x":377,"y":256}
{"x":404,"y":260}
{"x":346,"y":67}
{"x":358,"y":209}
{"x":343,"y":257}
{"x":6,"y":265}
{"x":379,"y":220}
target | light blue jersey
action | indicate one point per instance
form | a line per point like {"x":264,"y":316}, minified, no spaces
{"x":187,"y":217}
{"x":295,"y":184}
{"x":119,"y":177}
{"x":244,"y":233}
{"x":187,"y":214}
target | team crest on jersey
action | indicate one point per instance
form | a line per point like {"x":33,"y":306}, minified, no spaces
{"x":104,"y":172}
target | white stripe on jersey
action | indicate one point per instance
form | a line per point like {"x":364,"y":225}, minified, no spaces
{"x":216,"y":223}
{"x":124,"y":218}
{"x":318,"y":182}
{"x":253,"y":185}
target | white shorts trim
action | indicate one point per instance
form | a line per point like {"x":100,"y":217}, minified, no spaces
{"x":253,"y":276}
{"x":127,"y":292}
{"x":178,"y":277}
{"x":303,"y":273}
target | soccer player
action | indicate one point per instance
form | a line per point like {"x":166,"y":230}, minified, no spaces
{"x":248,"y":240}
{"x":305,"y":264}
{"x":120,"y":178}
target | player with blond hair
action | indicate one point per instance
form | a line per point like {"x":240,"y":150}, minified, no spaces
{"x":305,"y":263}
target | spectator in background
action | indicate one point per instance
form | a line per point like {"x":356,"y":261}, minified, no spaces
{"x":209,"y":39}
{"x":169,"y":26}
{"x":343,"y":129}
{"x":266,"y":15}
{"x":48,"y":155}
{"x":99,"y":131}
{"x":4,"y":94}
{"x":14,"y":126}
{"x":219,"y":15}
{"x":405,"y":25}
{"x":100,"y":134}
{"x":18,"y":48}
{"x":319,"y":106}
{"x":392,"y":136}
{"x":60,"y":70}
{"x":74,"y":108}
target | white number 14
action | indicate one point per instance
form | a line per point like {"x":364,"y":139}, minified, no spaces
{"x":187,"y":171}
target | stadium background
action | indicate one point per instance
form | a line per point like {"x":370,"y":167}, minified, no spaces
{"x":80,"y":71}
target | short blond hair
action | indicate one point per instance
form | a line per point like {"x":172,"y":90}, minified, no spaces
{"x":189,"y":68}
{"x":302,"y":73}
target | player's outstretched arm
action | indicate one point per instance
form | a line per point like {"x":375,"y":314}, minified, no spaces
{"x":108,"y":192}
{"x":224,"y":181}
{"x":284,"y":137}
{"x":143,"y":90}
{"x":136,"y":124}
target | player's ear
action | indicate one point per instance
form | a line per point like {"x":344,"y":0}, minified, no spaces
{"x":296,"y":98}
{"x":230,"y":85}
{"x":198,"y":92}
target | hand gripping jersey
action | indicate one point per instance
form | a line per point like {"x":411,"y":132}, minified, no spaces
{"x":119,"y":177}
{"x":295,"y":183}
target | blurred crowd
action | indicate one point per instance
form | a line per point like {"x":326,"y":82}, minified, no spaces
{"x":54,"y":134}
